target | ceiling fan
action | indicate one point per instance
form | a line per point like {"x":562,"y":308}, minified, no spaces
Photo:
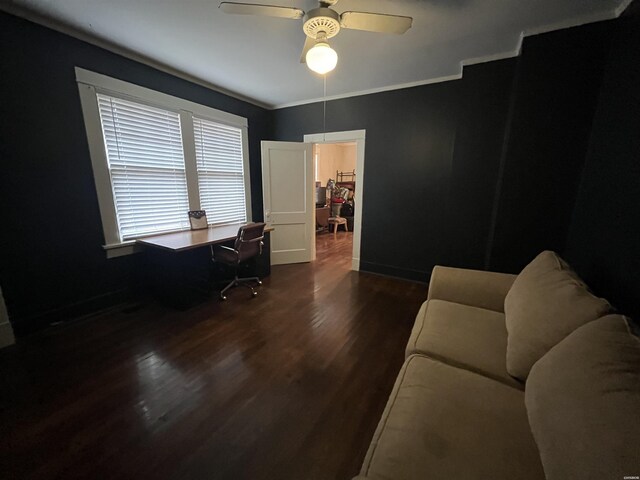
{"x":321,"y":24}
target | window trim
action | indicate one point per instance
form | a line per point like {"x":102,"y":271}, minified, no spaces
{"x":91,"y":83}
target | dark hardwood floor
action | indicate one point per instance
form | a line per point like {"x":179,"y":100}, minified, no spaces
{"x":289,"y":385}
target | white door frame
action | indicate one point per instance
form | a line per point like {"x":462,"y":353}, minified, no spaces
{"x":358,"y":137}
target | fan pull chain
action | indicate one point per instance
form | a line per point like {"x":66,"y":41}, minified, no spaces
{"x":324,"y":110}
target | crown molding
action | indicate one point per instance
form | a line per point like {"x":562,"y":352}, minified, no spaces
{"x":38,"y":18}
{"x":492,"y":58}
{"x":572,"y":22}
{"x":622,"y":7}
{"x":398,"y":86}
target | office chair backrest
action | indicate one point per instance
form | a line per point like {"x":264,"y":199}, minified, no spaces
{"x":249,"y":241}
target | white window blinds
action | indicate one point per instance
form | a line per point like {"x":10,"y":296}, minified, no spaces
{"x":220,"y":171}
{"x":146,"y":165}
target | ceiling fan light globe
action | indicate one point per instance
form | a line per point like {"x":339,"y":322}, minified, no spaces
{"x":321,"y":58}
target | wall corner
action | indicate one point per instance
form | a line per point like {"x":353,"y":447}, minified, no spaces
{"x":6,"y":331}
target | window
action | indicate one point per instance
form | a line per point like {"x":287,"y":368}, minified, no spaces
{"x":155,"y":157}
{"x":220,"y":171}
{"x":146,"y":166}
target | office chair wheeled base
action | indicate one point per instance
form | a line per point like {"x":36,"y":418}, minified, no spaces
{"x":248,"y":245}
{"x":241,"y":281}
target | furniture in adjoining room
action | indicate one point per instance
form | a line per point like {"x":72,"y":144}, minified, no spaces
{"x":530,"y":377}
{"x":248,"y":245}
{"x":347,"y":180}
{"x":321,"y":196}
{"x":336,"y":221}
{"x":322,"y":218}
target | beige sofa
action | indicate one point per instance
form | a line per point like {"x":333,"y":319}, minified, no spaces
{"x":474,"y":401}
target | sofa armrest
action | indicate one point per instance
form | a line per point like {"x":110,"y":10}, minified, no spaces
{"x":476,"y":288}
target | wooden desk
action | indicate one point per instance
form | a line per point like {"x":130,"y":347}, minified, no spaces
{"x":188,"y":239}
{"x":179,"y":269}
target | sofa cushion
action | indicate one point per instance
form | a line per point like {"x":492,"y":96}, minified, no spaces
{"x":477,"y":288}
{"x":446,"y":422}
{"x":462,"y":336}
{"x":546,"y":303}
{"x":583,"y":402}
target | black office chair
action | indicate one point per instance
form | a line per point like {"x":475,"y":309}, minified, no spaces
{"x":248,"y":245}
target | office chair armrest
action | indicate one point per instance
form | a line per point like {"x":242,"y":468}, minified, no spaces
{"x":225,"y":254}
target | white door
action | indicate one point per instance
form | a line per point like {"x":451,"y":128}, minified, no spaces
{"x":287,"y":190}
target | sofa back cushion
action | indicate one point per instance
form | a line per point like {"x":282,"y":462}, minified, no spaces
{"x":583,"y":403}
{"x":546,"y":303}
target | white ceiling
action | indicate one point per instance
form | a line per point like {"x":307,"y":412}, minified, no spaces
{"x":258,"y":57}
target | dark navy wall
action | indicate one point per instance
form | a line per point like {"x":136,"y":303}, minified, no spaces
{"x":52,"y":265}
{"x":482,"y":172}
{"x":604,"y":240}
{"x":479,"y":173}
{"x":558,"y":79}
{"x":431,"y":163}
{"x":483,"y":112}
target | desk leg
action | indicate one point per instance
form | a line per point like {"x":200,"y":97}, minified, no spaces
{"x":179,"y":280}
{"x":263,"y":262}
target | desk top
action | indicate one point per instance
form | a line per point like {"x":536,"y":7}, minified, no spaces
{"x":188,"y":239}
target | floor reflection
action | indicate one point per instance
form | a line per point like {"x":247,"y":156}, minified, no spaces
{"x":165,"y":393}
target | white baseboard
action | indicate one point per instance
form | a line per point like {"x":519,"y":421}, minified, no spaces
{"x":6,"y":335}
{"x":355,"y":264}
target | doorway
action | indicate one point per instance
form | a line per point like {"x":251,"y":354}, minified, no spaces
{"x":339,"y":174}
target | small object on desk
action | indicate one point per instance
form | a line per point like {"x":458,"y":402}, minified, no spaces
{"x":198,"y":219}
{"x":335,"y":221}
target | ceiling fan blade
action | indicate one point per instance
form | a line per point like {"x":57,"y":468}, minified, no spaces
{"x":375,"y":22}
{"x":308,"y":44}
{"x":265,"y":10}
